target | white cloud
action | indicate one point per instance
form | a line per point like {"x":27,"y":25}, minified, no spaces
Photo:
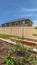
{"x":29,"y":10}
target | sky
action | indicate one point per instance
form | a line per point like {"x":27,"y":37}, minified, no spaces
{"x":13,"y":9}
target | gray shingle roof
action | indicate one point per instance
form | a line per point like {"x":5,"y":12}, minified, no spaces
{"x":19,"y":19}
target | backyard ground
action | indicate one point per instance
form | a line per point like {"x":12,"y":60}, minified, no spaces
{"x":16,"y":54}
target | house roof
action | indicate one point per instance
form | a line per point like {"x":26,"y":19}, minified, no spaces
{"x":19,"y":19}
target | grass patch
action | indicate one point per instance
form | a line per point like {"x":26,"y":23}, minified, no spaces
{"x":34,"y":34}
{"x":35,"y":27}
{"x":6,"y":36}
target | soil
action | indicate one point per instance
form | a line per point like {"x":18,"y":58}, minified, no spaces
{"x":4,"y":51}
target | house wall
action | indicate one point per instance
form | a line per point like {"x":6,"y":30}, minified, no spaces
{"x":21,"y":31}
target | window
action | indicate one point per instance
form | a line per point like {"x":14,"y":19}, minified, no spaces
{"x":17,"y":23}
{"x":22,"y":22}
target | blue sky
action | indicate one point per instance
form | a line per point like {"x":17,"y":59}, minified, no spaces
{"x":13,"y":9}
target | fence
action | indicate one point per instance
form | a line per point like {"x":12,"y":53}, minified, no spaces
{"x":21,"y":31}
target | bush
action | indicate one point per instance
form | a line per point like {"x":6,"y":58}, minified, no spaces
{"x":34,"y":34}
{"x":35,"y":27}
